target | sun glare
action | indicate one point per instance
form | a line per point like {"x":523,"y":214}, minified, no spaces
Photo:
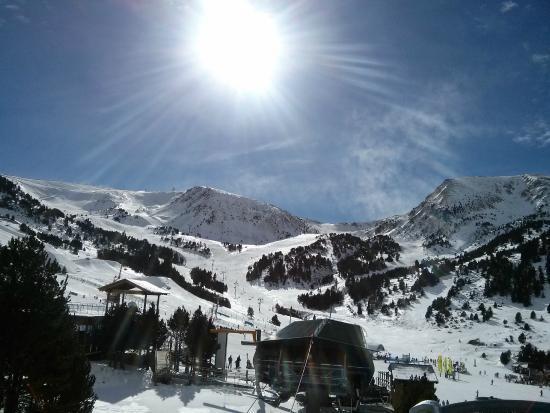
{"x":238,"y":45}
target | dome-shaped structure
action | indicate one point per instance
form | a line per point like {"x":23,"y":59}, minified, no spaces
{"x":320,"y":357}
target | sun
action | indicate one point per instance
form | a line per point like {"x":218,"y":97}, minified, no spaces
{"x":238,"y":45}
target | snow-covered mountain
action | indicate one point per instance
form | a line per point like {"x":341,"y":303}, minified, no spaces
{"x":215,"y":214}
{"x":460,"y":211}
{"x":464,"y":211}
{"x":200,"y":211}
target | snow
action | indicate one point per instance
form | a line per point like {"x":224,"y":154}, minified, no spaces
{"x":458,"y":206}
{"x":131,"y":391}
{"x":146,"y":286}
{"x":406,"y":333}
{"x":403,"y":371}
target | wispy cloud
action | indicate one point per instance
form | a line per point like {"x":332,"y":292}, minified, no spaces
{"x":398,"y":155}
{"x":536,"y":134}
{"x":506,"y":6}
{"x":386,"y":159}
{"x":275,"y":145}
{"x":542,"y":59}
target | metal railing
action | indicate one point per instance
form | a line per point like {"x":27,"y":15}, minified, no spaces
{"x":86,"y":309}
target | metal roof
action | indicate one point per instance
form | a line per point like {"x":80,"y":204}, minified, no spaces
{"x":133,"y":286}
{"x":404,"y":371}
{"x":327,"y":329}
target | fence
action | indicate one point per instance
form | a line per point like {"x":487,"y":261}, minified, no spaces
{"x":86,"y":309}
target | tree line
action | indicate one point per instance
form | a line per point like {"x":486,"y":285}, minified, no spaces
{"x":323,"y":300}
{"x":42,"y":365}
{"x":207,"y":279}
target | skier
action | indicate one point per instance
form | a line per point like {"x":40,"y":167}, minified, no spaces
{"x":477,"y":394}
{"x":230,"y":362}
{"x":238,"y":362}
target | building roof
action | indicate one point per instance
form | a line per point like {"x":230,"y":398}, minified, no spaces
{"x":404,"y":371}
{"x":133,"y":286}
{"x":326,"y":329}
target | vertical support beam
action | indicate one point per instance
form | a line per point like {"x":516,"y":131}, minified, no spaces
{"x":107,"y":302}
{"x":158,"y":302}
{"x":221,"y":353}
{"x":144,"y":303}
{"x":123,"y":297}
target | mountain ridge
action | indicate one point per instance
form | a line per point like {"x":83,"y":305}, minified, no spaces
{"x":459,"y":212}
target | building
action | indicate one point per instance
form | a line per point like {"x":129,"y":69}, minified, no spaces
{"x":117,"y":292}
{"x":88,"y":317}
{"x":410,"y":384}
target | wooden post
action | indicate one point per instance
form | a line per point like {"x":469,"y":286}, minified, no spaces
{"x":144,"y":303}
{"x":158,"y":301}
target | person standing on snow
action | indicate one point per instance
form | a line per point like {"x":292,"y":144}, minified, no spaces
{"x":230,"y":362}
{"x":238,"y":362}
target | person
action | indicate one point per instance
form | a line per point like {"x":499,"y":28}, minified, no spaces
{"x":230,"y":362}
{"x":238,"y":362}
{"x":491,"y":382}
{"x":248,"y":364}
{"x":540,"y":392}
{"x":477,"y":394}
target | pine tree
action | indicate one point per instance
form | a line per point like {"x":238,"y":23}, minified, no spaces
{"x":505,"y":357}
{"x":200,"y":342}
{"x":429,"y":312}
{"x":275,"y":320}
{"x":43,"y":367}
{"x":178,"y":324}
{"x":487,"y":314}
{"x":250,"y":312}
{"x":118,"y":333}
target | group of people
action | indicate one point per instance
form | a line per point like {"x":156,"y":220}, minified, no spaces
{"x":419,"y":378}
{"x":237,"y":362}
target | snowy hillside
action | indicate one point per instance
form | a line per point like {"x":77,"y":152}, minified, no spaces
{"x":393,"y":309}
{"x":200,"y":211}
{"x":215,"y":214}
{"x":463,"y":211}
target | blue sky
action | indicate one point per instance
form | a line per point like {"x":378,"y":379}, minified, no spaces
{"x":376,"y":103}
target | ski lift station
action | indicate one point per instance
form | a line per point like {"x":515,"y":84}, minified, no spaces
{"x":117,"y":292}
